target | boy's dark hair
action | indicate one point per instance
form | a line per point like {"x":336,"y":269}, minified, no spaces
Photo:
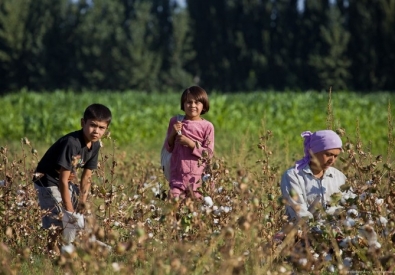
{"x":99,"y":112}
{"x":197,"y":93}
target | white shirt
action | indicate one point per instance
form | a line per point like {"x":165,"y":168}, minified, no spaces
{"x":309,"y":191}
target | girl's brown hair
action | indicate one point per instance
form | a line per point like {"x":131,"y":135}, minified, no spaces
{"x":197,"y":93}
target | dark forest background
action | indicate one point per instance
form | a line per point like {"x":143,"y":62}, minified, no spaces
{"x":226,"y":45}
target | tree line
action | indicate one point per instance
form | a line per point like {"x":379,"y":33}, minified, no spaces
{"x":226,"y":45}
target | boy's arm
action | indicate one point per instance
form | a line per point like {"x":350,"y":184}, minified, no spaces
{"x":64,"y":189}
{"x":85,"y":184}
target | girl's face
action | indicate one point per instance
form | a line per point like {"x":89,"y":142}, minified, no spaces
{"x":93,"y":129}
{"x":192,"y":108}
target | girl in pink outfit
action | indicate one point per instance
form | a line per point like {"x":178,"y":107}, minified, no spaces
{"x":188,"y":141}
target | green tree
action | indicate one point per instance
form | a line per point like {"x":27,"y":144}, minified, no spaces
{"x":23,"y":25}
{"x":230,"y":42}
{"x":114,"y":46}
{"x":332,"y":66}
{"x":371,"y":25}
{"x":284,"y":56}
{"x":313,"y":17}
{"x":173,"y":44}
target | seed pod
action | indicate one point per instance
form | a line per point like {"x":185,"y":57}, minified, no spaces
{"x":25,"y":141}
{"x":216,"y":166}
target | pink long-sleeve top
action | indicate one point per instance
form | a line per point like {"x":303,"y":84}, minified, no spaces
{"x":184,"y":167}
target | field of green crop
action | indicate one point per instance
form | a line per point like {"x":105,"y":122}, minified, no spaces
{"x":140,"y":119}
{"x":257,"y":138}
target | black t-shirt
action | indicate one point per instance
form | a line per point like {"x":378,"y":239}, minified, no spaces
{"x":69,"y":152}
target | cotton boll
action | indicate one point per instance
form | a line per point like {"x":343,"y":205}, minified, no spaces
{"x":375,"y":245}
{"x":363,"y":196}
{"x":379,"y":202}
{"x":327,"y":257}
{"x":347,"y":262}
{"x":352,"y":213}
{"x":208,"y":201}
{"x":217,"y":212}
{"x":220,"y":189}
{"x":333,"y":210}
{"x":344,"y":243}
{"x":226,"y":209}
{"x":303,"y":261}
{"x":349,"y":222}
{"x":369,"y":234}
{"x":155,"y":191}
{"x":68,"y":249}
{"x":331,"y":268}
{"x":383,"y":221}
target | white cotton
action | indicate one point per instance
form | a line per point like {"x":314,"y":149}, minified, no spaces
{"x":333,"y":210}
{"x":352,"y":213}
{"x":362,"y":197}
{"x":383,"y":221}
{"x":369,"y":234}
{"x":328,"y":257}
{"x":206,"y":177}
{"x":344,"y":243}
{"x":331,"y":268}
{"x":67,"y":249}
{"x":346,"y":196}
{"x":282,"y":269}
{"x":379,"y":202}
{"x":349,"y":222}
{"x":217,"y":212}
{"x":220,"y":189}
{"x":226,"y":209}
{"x":116,"y":267}
{"x":208,"y":201}
{"x":155,"y":191}
{"x":375,"y":245}
{"x":347,"y":262}
{"x":303,"y":261}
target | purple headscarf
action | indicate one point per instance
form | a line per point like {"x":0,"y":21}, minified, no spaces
{"x":317,"y":142}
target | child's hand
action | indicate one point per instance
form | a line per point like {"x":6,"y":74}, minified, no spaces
{"x":183,"y":140}
{"x":177,"y":127}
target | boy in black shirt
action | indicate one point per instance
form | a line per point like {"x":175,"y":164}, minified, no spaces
{"x":56,"y":171}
